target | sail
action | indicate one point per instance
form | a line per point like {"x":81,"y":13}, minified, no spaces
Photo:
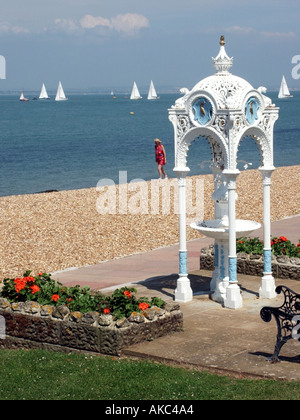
{"x":135,"y":94}
{"x":43,"y":94}
{"x":152,"y":92}
{"x":60,"y":95}
{"x":284,"y":90}
{"x":22,"y":98}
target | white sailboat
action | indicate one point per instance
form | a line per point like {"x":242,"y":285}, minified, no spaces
{"x":135,"y":94}
{"x":152,"y":92}
{"x":22,"y":97}
{"x":60,"y":95}
{"x":284,"y":90}
{"x":43,"y":94}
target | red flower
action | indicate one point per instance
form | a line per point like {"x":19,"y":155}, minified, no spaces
{"x":35,"y":289}
{"x":282,"y":239}
{"x":127,"y":294}
{"x":106,"y":311}
{"x":55,"y":298}
{"x":29,"y":279}
{"x":20,"y":284}
{"x":143,"y":306}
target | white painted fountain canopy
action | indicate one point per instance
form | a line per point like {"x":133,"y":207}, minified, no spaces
{"x":224,"y":109}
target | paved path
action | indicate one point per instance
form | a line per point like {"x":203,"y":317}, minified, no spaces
{"x":214,"y":338}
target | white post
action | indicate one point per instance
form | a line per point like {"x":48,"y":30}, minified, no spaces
{"x":183,"y":292}
{"x":233,"y":293}
{"x":217,"y":172}
{"x":267,"y":288}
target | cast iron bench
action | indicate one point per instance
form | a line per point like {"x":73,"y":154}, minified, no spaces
{"x":287,"y":317}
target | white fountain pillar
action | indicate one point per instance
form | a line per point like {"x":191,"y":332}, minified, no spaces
{"x":233,"y":298}
{"x":183,"y":292}
{"x":217,"y":172}
{"x":267,"y":288}
{"x":220,"y":279}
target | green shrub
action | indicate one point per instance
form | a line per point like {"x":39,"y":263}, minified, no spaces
{"x":280,"y":246}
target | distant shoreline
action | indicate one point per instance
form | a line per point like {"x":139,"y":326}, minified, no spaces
{"x":107,"y":91}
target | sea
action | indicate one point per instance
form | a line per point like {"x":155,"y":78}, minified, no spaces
{"x":47,"y":145}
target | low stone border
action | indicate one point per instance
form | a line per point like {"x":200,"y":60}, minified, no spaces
{"x":30,"y":325}
{"x":283,"y":267}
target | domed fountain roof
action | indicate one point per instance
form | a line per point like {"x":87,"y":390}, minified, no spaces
{"x":228,"y":90}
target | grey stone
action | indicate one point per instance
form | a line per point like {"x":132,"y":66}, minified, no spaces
{"x":157,"y":311}
{"x":136,"y":317}
{"x":105,"y":320}
{"x":4,"y":304}
{"x":283,"y":259}
{"x":295,"y":261}
{"x":61,"y":312}
{"x":257,"y":257}
{"x":122,"y":323}
{"x":242,"y":255}
{"x":47,"y":310}
{"x":32,"y":308}
{"x":91,"y":318}
{"x":18,"y":306}
{"x":76,"y":316}
{"x":172,"y":306}
{"x":151,"y":315}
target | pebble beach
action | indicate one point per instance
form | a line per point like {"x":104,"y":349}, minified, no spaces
{"x":50,"y":232}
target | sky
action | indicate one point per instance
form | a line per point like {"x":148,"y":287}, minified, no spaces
{"x":112,"y":43}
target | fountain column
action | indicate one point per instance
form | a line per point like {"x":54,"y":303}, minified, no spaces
{"x":183,"y":292}
{"x":233,"y":298}
{"x":220,"y":279}
{"x":217,"y":172}
{"x":267,"y":288}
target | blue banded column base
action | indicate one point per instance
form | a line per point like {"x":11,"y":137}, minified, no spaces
{"x":267,"y":261}
{"x":233,"y":298}
{"x":183,"y":262}
{"x":267,"y":287}
{"x":183,"y":292}
{"x":232,"y":269}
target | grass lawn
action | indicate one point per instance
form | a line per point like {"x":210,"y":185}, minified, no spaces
{"x":44,"y":375}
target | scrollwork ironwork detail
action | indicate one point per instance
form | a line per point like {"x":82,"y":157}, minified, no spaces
{"x":285,"y":317}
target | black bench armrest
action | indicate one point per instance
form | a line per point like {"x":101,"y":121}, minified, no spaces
{"x":285,"y":317}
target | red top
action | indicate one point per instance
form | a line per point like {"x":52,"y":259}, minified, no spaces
{"x":160,"y":157}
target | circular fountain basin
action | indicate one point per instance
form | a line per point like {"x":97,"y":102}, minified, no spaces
{"x":212,"y":228}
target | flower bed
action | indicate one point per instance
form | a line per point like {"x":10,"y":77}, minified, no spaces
{"x":280,"y":246}
{"x":46,"y":291}
{"x":39,"y":312}
{"x":285,"y":258}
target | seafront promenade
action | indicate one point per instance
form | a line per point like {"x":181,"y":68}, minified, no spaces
{"x":214,"y":338}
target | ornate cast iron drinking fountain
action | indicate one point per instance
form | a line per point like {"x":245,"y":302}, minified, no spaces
{"x":224,"y":109}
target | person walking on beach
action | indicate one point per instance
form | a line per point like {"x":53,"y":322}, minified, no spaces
{"x":160,"y":157}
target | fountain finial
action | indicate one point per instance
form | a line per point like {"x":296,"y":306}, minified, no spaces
{"x":222,"y":40}
{"x":222,"y":62}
